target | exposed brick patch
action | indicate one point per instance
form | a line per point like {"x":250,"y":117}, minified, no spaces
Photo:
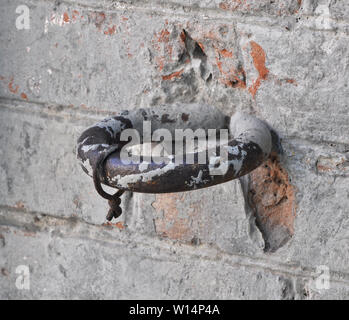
{"x":175,"y":222}
{"x":173,"y":50}
{"x":66,"y":17}
{"x":258,"y":56}
{"x":171,"y":225}
{"x":272,"y":197}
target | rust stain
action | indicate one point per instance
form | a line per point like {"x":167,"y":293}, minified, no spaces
{"x":258,"y":56}
{"x":273,"y":197}
{"x":24,"y":96}
{"x":176,"y":74}
{"x":12,"y":88}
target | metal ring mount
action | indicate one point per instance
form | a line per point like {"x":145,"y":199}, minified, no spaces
{"x":251,"y":142}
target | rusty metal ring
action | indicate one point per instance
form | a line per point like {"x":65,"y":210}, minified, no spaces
{"x":251,"y":142}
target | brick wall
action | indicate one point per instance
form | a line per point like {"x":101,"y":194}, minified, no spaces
{"x":268,"y":235}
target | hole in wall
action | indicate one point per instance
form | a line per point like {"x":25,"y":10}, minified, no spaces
{"x":272,"y":198}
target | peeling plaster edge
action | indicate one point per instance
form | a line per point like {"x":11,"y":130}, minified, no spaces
{"x":254,"y":232}
{"x":159,"y":249}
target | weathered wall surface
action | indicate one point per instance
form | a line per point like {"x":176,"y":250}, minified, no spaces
{"x":266,"y":236}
